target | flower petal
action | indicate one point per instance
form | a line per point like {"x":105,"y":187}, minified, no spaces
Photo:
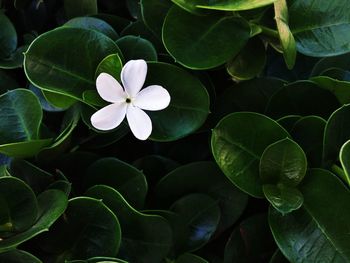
{"x":109,"y":117}
{"x":152,"y":98}
{"x":139,"y":122}
{"x":109,"y":88}
{"x":133,"y":76}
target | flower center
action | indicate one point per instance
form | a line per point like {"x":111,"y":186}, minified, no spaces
{"x":128,"y":100}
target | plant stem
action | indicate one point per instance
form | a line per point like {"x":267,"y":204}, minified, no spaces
{"x":269,"y":32}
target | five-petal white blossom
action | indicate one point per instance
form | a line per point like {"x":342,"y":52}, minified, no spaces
{"x":130,"y":101}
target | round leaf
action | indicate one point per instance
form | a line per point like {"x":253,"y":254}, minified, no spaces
{"x":238,"y":142}
{"x":205,"y":42}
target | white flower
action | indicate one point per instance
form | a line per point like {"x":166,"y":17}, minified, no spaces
{"x":130,"y":101}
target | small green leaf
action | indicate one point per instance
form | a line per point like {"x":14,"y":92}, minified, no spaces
{"x":238,"y":142}
{"x":135,"y":47}
{"x":283,"y":162}
{"x":344,"y":156}
{"x":198,"y":42}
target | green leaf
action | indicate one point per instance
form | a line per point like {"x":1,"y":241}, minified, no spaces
{"x":80,"y":8}
{"x":117,"y":22}
{"x":24,"y":149}
{"x":283,"y":198}
{"x":52,"y":204}
{"x":344,"y":156}
{"x":15,"y":60}
{"x":297,"y":99}
{"x":112,"y":65}
{"x":319,"y":28}
{"x":233,"y":5}
{"x":198,"y":42}
{"x":58,"y":100}
{"x":337,"y":132}
{"x":18,"y":256}
{"x":286,"y":37}
{"x":87,"y":229}
{"x":124,"y":178}
{"x":189,"y":105}
{"x":250,"y":241}
{"x":190,"y":6}
{"x":199,"y":216}
{"x":154,"y":242}
{"x":278,"y":257}
{"x":153,"y":14}
{"x":308,"y":133}
{"x":19,"y":207}
{"x":203,"y":177}
{"x":238,"y":142}
{"x":249,"y":62}
{"x":135,"y":47}
{"x":73,"y":73}
{"x":26,"y":115}
{"x":93,"y":24}
{"x":289,"y":121}
{"x":341,"y":89}
{"x":341,"y":61}
{"x":8,"y":37}
{"x":318,"y":230}
{"x":283,"y":162}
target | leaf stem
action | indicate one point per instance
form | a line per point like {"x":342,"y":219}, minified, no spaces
{"x":269,"y":32}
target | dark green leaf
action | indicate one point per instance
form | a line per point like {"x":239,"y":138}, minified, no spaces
{"x":203,"y":42}
{"x":238,"y":142}
{"x":341,"y":89}
{"x":18,"y":256}
{"x":344,"y":156}
{"x":80,"y":7}
{"x":8,"y":37}
{"x":134,"y":47}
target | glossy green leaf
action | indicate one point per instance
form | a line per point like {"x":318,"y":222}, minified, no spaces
{"x":283,"y":162}
{"x":24,"y":149}
{"x":93,"y":24}
{"x":73,"y":73}
{"x":153,"y":14}
{"x":337,"y":132}
{"x":145,"y":238}
{"x":87,"y":229}
{"x":318,"y":230}
{"x":287,"y":39}
{"x":124,"y":178}
{"x":8,"y":37}
{"x":18,"y":256}
{"x":308,"y":133}
{"x":344,"y":157}
{"x":26,"y":115}
{"x":233,"y":5}
{"x":190,"y":6}
{"x":19,"y":207}
{"x":238,"y":142}
{"x":134,"y":47}
{"x":250,"y":241}
{"x":297,"y":99}
{"x":80,"y":7}
{"x":341,"y":89}
{"x":283,"y":198}
{"x":203,"y":177}
{"x":15,"y":60}
{"x":52,"y":204}
{"x":189,"y":105}
{"x":249,"y":62}
{"x":200,"y":216}
{"x":320,"y":30}
{"x":58,"y":100}
{"x":112,"y":65}
{"x":203,"y":42}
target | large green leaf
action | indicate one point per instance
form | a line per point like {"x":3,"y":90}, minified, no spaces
{"x":19,"y":206}
{"x":233,"y":5}
{"x":8,"y":37}
{"x":337,"y":132}
{"x":124,"y":178}
{"x":87,"y":229}
{"x":287,"y":39}
{"x":238,"y":142}
{"x":319,"y":230}
{"x":203,"y":177}
{"x":52,"y":204}
{"x":18,"y":256}
{"x":74,"y":72}
{"x":20,"y":116}
{"x":189,"y":105}
{"x":146,"y":238}
{"x":297,"y":99}
{"x":203,"y":42}
{"x":319,"y":28}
